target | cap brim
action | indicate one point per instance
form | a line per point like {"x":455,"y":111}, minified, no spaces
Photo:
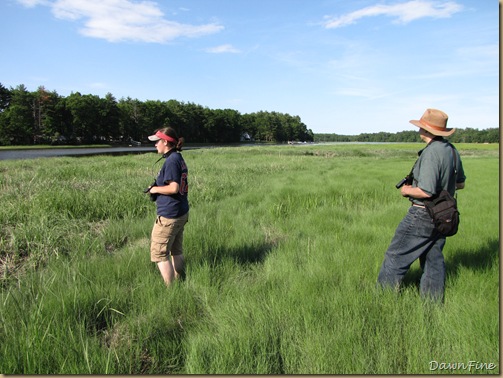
{"x":447,"y":132}
{"x":154,"y":138}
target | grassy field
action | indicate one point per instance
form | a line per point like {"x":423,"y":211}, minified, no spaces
{"x":283,"y":248}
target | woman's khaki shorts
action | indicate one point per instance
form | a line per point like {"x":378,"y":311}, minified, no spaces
{"x":167,"y":237}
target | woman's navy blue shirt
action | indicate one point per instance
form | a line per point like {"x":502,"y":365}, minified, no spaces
{"x":173,"y":169}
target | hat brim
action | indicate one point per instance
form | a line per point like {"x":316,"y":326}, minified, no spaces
{"x":447,"y":131}
{"x":154,"y":138}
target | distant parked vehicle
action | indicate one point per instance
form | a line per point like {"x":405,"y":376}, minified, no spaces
{"x":133,"y":143}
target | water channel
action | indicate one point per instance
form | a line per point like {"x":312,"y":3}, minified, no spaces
{"x":34,"y":153}
{"x":57,"y":152}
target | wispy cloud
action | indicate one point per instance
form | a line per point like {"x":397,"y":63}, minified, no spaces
{"x":402,"y":12}
{"x":223,"y":49}
{"x":32,"y":3}
{"x":123,"y":20}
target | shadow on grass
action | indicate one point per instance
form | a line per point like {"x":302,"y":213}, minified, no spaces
{"x":245,"y":255}
{"x":476,"y":260}
{"x":482,"y":259}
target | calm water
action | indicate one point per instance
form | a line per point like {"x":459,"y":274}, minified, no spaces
{"x":53,"y":152}
{"x":44,"y":153}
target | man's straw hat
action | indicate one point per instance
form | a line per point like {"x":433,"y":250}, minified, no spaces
{"x":435,"y":122}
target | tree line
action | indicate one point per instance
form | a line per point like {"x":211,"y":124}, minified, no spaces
{"x":468,"y":135}
{"x":44,"y":117}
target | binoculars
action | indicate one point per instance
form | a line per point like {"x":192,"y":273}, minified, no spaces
{"x":153,"y":196}
{"x":407,"y":180}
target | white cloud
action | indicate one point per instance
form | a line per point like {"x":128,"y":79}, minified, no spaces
{"x":402,"y":12}
{"x":123,"y":20}
{"x":222,"y":49}
{"x":31,"y":3}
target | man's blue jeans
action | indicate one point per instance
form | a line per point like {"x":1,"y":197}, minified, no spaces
{"x":415,"y":238}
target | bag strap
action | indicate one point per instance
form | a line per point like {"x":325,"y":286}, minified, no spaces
{"x":454,"y":159}
{"x":454,"y":163}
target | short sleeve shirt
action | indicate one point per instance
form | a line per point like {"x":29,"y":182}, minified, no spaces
{"x":173,"y":169}
{"x":434,"y":169}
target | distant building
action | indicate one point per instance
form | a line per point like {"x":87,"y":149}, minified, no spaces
{"x":245,"y":137}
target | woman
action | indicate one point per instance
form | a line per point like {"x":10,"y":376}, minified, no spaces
{"x":170,"y":193}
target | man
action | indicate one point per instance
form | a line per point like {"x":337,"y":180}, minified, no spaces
{"x":416,"y":237}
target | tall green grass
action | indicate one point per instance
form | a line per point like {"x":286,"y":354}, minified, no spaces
{"x":283,"y":247}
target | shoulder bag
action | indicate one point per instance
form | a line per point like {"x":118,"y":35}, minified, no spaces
{"x":443,"y":209}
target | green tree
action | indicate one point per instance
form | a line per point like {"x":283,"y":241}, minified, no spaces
{"x":223,"y":126}
{"x":156,"y":115}
{"x":17,"y":119}
{"x":5,"y":97}
{"x":131,"y":119}
{"x":189,"y":120}
{"x":85,"y":117}
{"x":109,"y":119}
{"x":47,"y":115}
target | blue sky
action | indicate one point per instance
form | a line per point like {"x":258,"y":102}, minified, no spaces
{"x":343,"y":66}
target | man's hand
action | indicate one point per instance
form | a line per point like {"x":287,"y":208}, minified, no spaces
{"x":409,"y":191}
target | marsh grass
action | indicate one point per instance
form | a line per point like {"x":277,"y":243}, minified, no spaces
{"x":283,"y":247}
